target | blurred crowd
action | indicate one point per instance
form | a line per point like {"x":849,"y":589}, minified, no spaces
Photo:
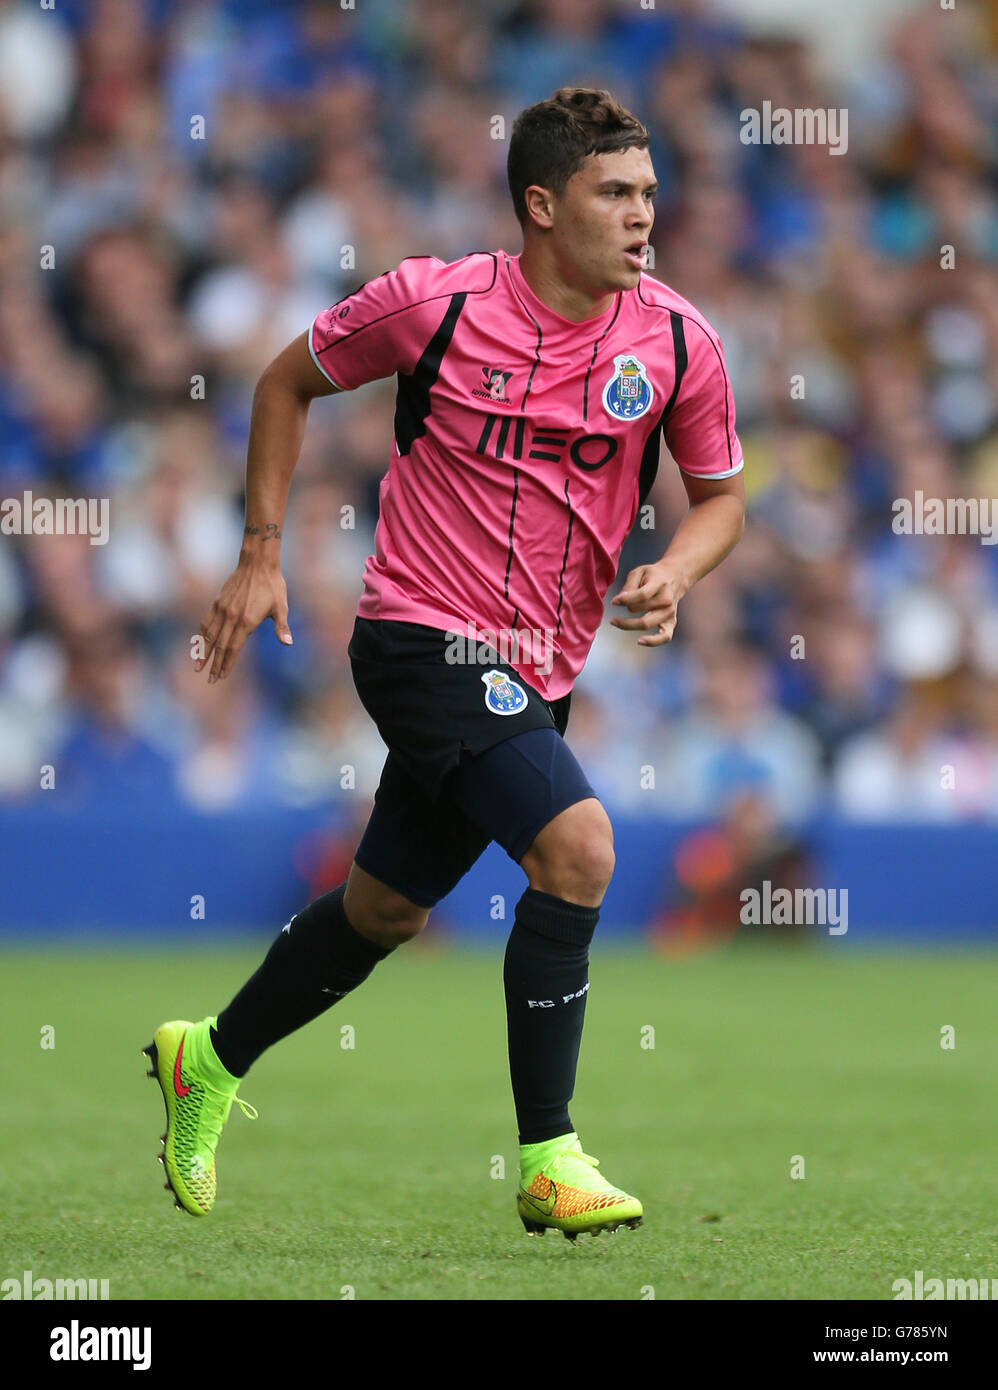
{"x":829,"y":664}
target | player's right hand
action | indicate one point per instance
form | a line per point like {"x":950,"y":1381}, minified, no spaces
{"x":253,"y":591}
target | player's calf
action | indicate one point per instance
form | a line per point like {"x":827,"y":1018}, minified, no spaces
{"x":316,"y":960}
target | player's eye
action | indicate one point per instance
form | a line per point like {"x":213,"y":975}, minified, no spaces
{"x":621,"y":192}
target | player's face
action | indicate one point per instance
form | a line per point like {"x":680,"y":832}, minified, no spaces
{"x":603,"y":219}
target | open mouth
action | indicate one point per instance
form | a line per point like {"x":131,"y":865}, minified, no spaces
{"x":635,"y":253}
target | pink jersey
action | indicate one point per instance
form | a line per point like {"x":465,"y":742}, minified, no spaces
{"x":524,"y":444}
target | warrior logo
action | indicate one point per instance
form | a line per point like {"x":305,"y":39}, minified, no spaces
{"x":493,"y":387}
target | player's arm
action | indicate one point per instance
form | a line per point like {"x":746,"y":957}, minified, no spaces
{"x":699,"y":430}
{"x":256,"y":590}
{"x":708,"y":532}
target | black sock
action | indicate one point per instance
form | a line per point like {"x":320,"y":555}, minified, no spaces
{"x":316,"y":960}
{"x":546,"y":978}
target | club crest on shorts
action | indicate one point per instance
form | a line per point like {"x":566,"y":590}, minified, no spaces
{"x":503,"y":695}
{"x":628,"y":393}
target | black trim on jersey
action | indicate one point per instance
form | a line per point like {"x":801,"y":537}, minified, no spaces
{"x":540,"y":337}
{"x":585,"y":389}
{"x":403,"y":308}
{"x":717,"y":352}
{"x":540,"y":340}
{"x":564,"y":558}
{"x":363,"y":286}
{"x":412,"y":404}
{"x":550,"y":440}
{"x":727,"y":412}
{"x":512,"y":515}
{"x":650,"y":456}
{"x":537,"y":357}
{"x":519,"y":436}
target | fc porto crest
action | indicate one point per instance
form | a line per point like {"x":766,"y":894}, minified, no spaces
{"x":628,"y":393}
{"x":503,"y":695}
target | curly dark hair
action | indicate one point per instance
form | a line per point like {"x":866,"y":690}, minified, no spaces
{"x":552,"y":139}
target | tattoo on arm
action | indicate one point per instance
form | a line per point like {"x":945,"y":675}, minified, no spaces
{"x":273,"y":531}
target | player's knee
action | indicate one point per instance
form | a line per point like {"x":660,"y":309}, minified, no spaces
{"x":392,"y":921}
{"x":380,"y":913}
{"x":402,"y":918}
{"x":572,"y":857}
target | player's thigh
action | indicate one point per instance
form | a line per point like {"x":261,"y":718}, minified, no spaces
{"x":530,"y":794}
{"x":415,"y":848}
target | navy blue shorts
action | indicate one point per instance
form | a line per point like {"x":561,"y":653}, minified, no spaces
{"x":475,"y":755}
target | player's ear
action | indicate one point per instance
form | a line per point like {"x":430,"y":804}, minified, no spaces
{"x":540,"y":206}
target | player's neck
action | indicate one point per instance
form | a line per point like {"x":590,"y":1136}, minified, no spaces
{"x":570,"y":301}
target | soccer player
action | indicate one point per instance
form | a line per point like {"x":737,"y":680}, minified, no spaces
{"x":533,"y":392}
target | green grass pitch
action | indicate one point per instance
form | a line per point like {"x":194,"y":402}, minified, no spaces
{"x":371,"y":1169}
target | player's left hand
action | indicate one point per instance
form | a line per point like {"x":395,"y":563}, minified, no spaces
{"x":654,"y":590}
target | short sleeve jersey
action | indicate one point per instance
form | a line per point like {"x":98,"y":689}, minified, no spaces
{"x":524,"y":443}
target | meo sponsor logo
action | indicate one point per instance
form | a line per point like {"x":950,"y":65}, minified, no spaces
{"x":588,"y":451}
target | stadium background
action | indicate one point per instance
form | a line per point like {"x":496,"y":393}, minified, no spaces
{"x":371,"y":129}
{"x":708,"y":1077}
